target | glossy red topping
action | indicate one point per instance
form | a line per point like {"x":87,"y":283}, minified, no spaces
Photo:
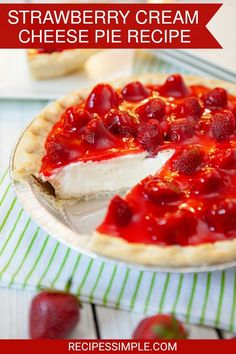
{"x":120,"y":212}
{"x":150,"y":136}
{"x":48,"y":50}
{"x":121,"y":123}
{"x":174,"y":87}
{"x":181,"y":129}
{"x":161,"y":191}
{"x":135,"y":92}
{"x":193,"y":198}
{"x":98,"y":136}
{"x":75,"y":120}
{"x":221,"y":217}
{"x":102,"y":99}
{"x":180,"y":209}
{"x":216,"y":98}
{"x":188,"y":161}
{"x":191,"y":107}
{"x":153,"y":109}
{"x":222,"y":125}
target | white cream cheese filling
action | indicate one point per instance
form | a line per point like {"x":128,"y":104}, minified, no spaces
{"x":93,"y":177}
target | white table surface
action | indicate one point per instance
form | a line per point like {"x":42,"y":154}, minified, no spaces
{"x":96,"y":321}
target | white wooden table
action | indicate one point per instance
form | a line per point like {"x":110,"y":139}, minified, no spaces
{"x":96,"y":321}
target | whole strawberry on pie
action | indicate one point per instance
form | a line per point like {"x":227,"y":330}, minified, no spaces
{"x":169,"y":142}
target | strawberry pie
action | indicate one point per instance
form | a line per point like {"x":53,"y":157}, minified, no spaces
{"x":51,"y":63}
{"x":169,"y":142}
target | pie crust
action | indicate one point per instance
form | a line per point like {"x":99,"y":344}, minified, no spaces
{"x":51,"y":65}
{"x":30,"y":151}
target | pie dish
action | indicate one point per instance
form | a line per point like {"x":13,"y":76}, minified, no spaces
{"x":171,"y":142}
{"x":47,"y":64}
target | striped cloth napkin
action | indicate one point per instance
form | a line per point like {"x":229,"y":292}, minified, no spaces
{"x":29,"y":258}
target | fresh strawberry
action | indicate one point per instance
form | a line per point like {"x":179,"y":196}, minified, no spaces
{"x":153,"y":109}
{"x":135,"y":91}
{"x":75,"y":119}
{"x":222,"y":125}
{"x":188,"y":161}
{"x":222,"y":217}
{"x":180,"y":130}
{"x":161,"y":191}
{"x":216,"y":98}
{"x":121,"y":123}
{"x":174,"y":87}
{"x":160,"y":327}
{"x":192,"y":107}
{"x":102,"y":98}
{"x":53,"y":314}
{"x":97,"y":135}
{"x":150,"y":136}
{"x":119,"y":212}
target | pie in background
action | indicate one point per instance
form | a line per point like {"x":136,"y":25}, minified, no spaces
{"x":47,"y":64}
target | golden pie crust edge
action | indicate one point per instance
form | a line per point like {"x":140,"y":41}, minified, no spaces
{"x":51,"y":65}
{"x":27,"y":161}
{"x":170,"y":256}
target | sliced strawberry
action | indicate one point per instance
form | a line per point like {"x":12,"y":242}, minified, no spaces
{"x":102,"y":98}
{"x":160,"y":327}
{"x":160,"y":191}
{"x":150,"y":136}
{"x":224,"y":159}
{"x":135,"y":91}
{"x":97,"y":135}
{"x":210,"y":181}
{"x":61,"y":150}
{"x":153,"y":109}
{"x":222,"y":125}
{"x":75,"y":119}
{"x":174,"y":87}
{"x":53,"y":315}
{"x":216,"y":98}
{"x":178,"y":227}
{"x":119,"y":212}
{"x":192,"y":107}
{"x":188,"y":161}
{"x":222,"y":217}
{"x":180,"y":130}
{"x":121,"y":123}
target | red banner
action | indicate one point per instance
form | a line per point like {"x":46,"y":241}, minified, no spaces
{"x":117,"y":346}
{"x":62,"y":26}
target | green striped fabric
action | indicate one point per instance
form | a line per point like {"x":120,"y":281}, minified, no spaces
{"x":29,"y":258}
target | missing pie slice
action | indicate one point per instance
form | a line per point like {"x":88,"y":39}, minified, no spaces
{"x":170,"y":141}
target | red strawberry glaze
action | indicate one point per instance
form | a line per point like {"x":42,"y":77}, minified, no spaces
{"x":49,"y":50}
{"x":173,"y":208}
{"x":78,"y":137}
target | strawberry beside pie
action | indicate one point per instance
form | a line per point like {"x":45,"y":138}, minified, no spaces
{"x":170,"y":140}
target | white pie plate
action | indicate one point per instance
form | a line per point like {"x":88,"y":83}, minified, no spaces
{"x":73,"y":224}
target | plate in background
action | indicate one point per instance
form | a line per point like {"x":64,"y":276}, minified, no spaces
{"x":17,"y":83}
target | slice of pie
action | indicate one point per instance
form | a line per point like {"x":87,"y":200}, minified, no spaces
{"x":47,"y":64}
{"x":170,"y":140}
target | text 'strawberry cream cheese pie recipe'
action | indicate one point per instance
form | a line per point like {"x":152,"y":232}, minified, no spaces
{"x":171,"y":140}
